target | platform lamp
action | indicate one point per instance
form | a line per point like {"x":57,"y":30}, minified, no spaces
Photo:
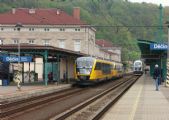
{"x":18,"y":28}
{"x":167,"y":78}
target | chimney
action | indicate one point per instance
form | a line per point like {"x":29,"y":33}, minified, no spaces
{"x":13,"y":10}
{"x":31,"y":11}
{"x":76,"y":13}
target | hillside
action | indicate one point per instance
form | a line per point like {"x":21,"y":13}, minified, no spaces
{"x":108,"y":13}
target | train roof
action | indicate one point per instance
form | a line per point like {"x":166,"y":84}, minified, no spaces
{"x":101,"y":60}
{"x":86,"y":58}
{"x":137,"y":61}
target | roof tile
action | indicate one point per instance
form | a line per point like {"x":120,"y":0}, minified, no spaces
{"x":40,"y":17}
{"x":104,"y":43}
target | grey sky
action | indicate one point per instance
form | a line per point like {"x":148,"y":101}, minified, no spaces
{"x":163,"y":2}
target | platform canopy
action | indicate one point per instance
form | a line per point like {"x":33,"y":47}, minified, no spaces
{"x":152,"y":51}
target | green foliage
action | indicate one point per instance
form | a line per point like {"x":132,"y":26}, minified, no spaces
{"x":107,"y":13}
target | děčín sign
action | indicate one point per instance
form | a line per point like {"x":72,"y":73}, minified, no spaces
{"x":154,"y":46}
{"x":16,"y":59}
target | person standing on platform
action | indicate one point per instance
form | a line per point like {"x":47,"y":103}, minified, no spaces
{"x":50,"y":76}
{"x":156,"y":76}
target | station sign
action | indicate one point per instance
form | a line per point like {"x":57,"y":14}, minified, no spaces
{"x":155,"y":46}
{"x":16,"y":59}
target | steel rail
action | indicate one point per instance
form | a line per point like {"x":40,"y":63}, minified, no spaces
{"x":12,"y":108}
{"x":111,"y":103}
{"x":80,"y":106}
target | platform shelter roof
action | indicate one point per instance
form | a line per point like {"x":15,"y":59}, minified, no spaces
{"x":148,"y":54}
{"x":35,"y":49}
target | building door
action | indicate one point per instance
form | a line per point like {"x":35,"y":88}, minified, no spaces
{"x":53,"y":67}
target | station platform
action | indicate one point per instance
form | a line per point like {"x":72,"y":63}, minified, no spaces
{"x":141,"y":102}
{"x":11,"y":93}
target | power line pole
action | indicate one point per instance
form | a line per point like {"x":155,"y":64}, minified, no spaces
{"x":161,"y":24}
{"x":167,"y":79}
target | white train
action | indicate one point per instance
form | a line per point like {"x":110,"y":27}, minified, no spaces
{"x":138,"y":67}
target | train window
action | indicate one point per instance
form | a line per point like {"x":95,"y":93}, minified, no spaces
{"x":84,"y":64}
{"x":137,"y":64}
{"x":106,"y":68}
{"x":98,"y":66}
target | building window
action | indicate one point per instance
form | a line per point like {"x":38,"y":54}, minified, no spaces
{"x":77,"y":45}
{"x":77,"y":29}
{"x":62,"y":29}
{"x":46,"y":29}
{"x":15,"y":41}
{"x":1,"y":42}
{"x":46,"y":42}
{"x":31,"y":41}
{"x":18,"y":29}
{"x":62,"y":43}
{"x":31,"y":29}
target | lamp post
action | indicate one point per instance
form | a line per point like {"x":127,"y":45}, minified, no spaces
{"x":19,"y":53}
{"x":18,"y":27}
{"x":17,"y":75}
{"x":18,"y":80}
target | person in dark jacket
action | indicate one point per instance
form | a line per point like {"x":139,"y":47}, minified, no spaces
{"x":156,"y":76}
{"x":50,"y":76}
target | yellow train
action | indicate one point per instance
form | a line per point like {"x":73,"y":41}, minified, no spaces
{"x":90,"y":70}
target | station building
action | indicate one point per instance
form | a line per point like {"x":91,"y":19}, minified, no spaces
{"x":53,"y":38}
{"x":110,"y":51}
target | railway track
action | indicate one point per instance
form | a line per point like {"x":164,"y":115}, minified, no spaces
{"x":55,"y":104}
{"x":95,"y":107}
{"x":9,"y":109}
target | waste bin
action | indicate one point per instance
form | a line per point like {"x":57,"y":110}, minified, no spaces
{"x":5,"y":82}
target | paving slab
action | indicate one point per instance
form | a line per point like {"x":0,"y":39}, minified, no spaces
{"x":11,"y":93}
{"x":141,"y":102}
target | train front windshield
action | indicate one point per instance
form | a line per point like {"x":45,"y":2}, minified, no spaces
{"x":84,"y":65}
{"x":137,"y":66}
